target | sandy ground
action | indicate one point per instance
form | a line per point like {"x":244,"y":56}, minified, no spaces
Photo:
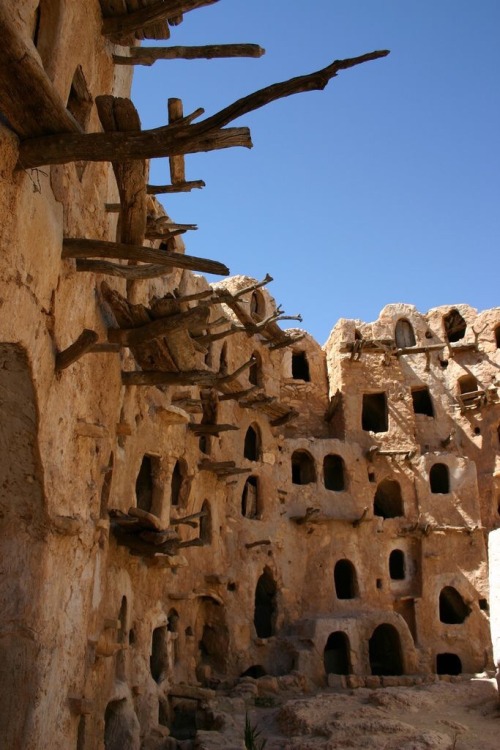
{"x":442,"y":716}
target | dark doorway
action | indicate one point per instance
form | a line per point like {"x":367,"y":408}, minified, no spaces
{"x":336,"y":657}
{"x":497,"y":337}
{"x":452,"y":608}
{"x":448,"y":664}
{"x":386,"y":657}
{"x":374,"y":417}
{"x":454,"y":326}
{"x":346,"y":585}
{"x":177,"y":488}
{"x":334,"y":473}
{"x":254,"y":671}
{"x":404,"y":334}
{"x":397,"y":565}
{"x":251,"y":448}
{"x":303,"y":471}
{"x":422,"y":402}
{"x":300,"y":367}
{"x":158,"y":660}
{"x":250,"y":498}
{"x":265,"y":605}
{"x":467,"y":384}
{"x":255,"y":371}
{"x":206,"y":523}
{"x":145,"y":483}
{"x":388,"y":502}
{"x":439,"y":478}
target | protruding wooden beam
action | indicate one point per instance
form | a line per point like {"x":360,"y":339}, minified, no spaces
{"x":171,"y":140}
{"x":211,"y":429}
{"x":149,"y":55}
{"x":260,"y":543}
{"x":184,"y":187}
{"x":280,"y":421}
{"x":177,"y":165}
{"x":188,"y":377}
{"x":29,"y":100}
{"x":156,"y":329}
{"x":146,"y":271}
{"x":126,"y":23}
{"x":78,"y":348}
{"x":83,"y":248}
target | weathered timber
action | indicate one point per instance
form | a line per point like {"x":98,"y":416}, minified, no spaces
{"x":149,"y":55}
{"x":84,"y":343}
{"x":292,"y":414}
{"x":419,"y":349}
{"x":335,"y":402}
{"x":30,"y":103}
{"x":82,"y":248}
{"x":177,"y":165}
{"x":184,"y":187}
{"x":146,"y":271}
{"x":155,"y":329}
{"x":170,"y":140}
{"x":288,"y":341}
{"x":216,"y":465}
{"x":238,"y":394}
{"x":211,"y":429}
{"x":120,"y":114}
{"x":261,"y":542}
{"x":126,"y":23}
{"x":191,"y":377}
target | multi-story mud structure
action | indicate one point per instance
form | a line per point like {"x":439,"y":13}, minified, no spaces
{"x":190,"y":493}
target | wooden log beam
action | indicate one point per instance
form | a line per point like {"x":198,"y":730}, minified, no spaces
{"x":184,"y":187}
{"x":84,"y":343}
{"x":188,"y":377}
{"x":170,"y":140}
{"x":280,"y":421}
{"x":82,"y":248}
{"x":156,"y":329}
{"x":126,"y":23}
{"x":147,"y":271}
{"x":29,"y":101}
{"x":149,"y":55}
{"x":177,"y":164}
{"x":211,"y":429}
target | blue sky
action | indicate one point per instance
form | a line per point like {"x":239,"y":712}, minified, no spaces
{"x":382,"y":188}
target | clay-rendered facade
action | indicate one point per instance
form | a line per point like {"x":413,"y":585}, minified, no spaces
{"x":255,"y":503}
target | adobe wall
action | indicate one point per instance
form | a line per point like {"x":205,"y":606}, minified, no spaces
{"x":97,"y":642}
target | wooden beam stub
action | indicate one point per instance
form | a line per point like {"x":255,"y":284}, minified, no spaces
{"x":84,"y":343}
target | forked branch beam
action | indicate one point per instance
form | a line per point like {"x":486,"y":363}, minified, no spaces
{"x":169,"y":140}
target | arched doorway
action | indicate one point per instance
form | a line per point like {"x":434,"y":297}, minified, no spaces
{"x":336,"y":654}
{"x":346,"y":584}
{"x":386,"y":656}
{"x":265,"y":605}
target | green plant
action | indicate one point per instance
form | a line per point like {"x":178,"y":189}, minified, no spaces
{"x":252,"y":735}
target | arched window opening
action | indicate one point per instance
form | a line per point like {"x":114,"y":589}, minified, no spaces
{"x":397,"y":566}
{"x":452,"y":608}
{"x":251,"y":449}
{"x":172,"y":635}
{"x":300,"y":367}
{"x":374,"y":416}
{"x":204,"y":444}
{"x":448,"y":664}
{"x":497,"y":336}
{"x":145,"y":482}
{"x":255,"y":371}
{"x":265,"y":605}
{"x":223,"y":366}
{"x":106,"y":486}
{"x":422,"y":402}
{"x":388,"y":502}
{"x":386,"y":656}
{"x":303,"y":471}
{"x":346,"y":584}
{"x":206,"y":523}
{"x":404,"y":334}
{"x":334,"y":473}
{"x":250,"y":498}
{"x":454,"y":326}
{"x":79,"y":100}
{"x":467,"y":384}
{"x":180,"y":485}
{"x":439,"y":478}
{"x":336,"y":655}
{"x":257,"y":305}
{"x":121,"y":726}
{"x":158,"y":661}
